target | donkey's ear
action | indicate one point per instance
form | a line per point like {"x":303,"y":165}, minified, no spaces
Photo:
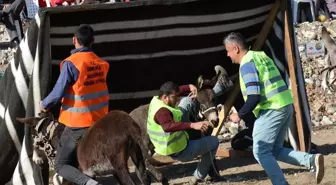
{"x":32,"y":121}
{"x":200,"y":82}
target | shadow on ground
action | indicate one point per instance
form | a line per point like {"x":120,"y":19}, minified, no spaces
{"x":327,"y":149}
{"x":179,"y":170}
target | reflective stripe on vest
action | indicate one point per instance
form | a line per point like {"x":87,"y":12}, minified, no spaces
{"x":274,"y":92}
{"x":165,"y":134}
{"x":85,"y":109}
{"x":165,"y":143}
{"x":87,"y":100}
{"x":88,"y":96}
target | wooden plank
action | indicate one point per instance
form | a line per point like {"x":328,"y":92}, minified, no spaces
{"x":293,"y":79}
{"x":257,"y":46}
{"x":230,"y":153}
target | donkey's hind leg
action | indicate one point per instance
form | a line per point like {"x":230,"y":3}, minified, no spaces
{"x":140,"y":168}
{"x":119,"y":163}
{"x":123,"y":176}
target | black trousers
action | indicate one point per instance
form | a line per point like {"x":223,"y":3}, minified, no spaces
{"x":66,"y":164}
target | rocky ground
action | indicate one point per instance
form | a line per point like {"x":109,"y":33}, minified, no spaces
{"x":5,"y":55}
{"x":322,"y":103}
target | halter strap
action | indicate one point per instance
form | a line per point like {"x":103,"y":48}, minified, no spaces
{"x":38,"y":125}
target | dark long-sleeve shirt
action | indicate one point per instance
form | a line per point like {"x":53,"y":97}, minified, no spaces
{"x":68,"y":76}
{"x":251,"y":79}
{"x":165,"y":117}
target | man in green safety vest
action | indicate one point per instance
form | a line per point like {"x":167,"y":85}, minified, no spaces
{"x":269,"y":98}
{"x":167,"y":130}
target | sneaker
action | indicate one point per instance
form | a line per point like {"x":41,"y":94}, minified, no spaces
{"x":223,"y":79}
{"x":318,"y":168}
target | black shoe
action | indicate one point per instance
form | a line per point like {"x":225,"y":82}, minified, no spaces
{"x":224,"y":81}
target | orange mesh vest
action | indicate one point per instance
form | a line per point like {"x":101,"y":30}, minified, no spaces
{"x":86,"y":101}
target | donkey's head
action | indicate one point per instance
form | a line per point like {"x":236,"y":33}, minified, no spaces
{"x":207,"y":99}
{"x":46,"y":130}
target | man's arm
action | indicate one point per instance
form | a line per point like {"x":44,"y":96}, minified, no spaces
{"x":69,"y":74}
{"x":184,"y":90}
{"x":165,"y":118}
{"x":251,"y":80}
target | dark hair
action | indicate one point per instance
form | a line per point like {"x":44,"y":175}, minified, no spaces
{"x":85,"y":35}
{"x":237,"y":38}
{"x":168,"y":88}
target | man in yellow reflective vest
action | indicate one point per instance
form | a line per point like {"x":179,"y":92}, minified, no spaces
{"x":167,"y":131}
{"x":269,"y":98}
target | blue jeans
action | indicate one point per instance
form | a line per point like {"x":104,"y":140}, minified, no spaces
{"x":268,"y":137}
{"x":188,"y":108}
{"x":200,"y":147}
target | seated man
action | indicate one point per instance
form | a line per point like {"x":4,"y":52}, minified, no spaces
{"x":168,"y":134}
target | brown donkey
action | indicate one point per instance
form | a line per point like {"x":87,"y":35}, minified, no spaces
{"x":106,"y":146}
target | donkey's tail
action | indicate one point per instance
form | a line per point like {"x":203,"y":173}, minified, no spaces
{"x":149,"y":161}
{"x":136,"y":137}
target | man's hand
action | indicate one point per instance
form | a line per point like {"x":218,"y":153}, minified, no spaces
{"x":5,"y":6}
{"x":193,"y":91}
{"x":41,"y":107}
{"x":234,"y":118}
{"x":202,"y":126}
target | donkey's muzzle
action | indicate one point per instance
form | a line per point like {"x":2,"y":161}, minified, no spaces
{"x":215,"y":122}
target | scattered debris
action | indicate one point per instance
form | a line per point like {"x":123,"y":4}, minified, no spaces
{"x":322,"y":103}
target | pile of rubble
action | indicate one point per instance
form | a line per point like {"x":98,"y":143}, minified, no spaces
{"x":7,"y":54}
{"x":322,"y":102}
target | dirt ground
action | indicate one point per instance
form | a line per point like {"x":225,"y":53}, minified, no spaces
{"x":241,"y":171}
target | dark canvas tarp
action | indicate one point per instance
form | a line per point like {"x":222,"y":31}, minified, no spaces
{"x":146,"y":44}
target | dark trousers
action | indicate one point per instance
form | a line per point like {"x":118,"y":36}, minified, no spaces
{"x":10,"y":17}
{"x":66,"y":164}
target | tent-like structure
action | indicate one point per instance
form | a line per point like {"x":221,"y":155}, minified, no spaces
{"x":146,"y":43}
